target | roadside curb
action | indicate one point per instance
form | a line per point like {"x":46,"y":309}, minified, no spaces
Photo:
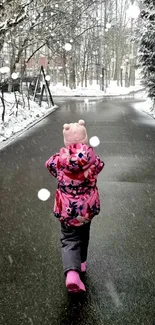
{"x":149,"y":114}
{"x":6,"y":142}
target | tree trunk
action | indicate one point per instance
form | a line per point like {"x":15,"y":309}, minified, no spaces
{"x":126,"y":76}
{"x":117,"y":70}
{"x":67,"y":81}
{"x":132,"y":75}
{"x":86,"y":73}
{"x":10,"y":81}
{"x":86,"y":78}
{"x":82,"y":78}
{"x":2,"y":38}
{"x":72,"y":76}
{"x":91,"y":72}
{"x":3,"y":104}
{"x":65,"y":77}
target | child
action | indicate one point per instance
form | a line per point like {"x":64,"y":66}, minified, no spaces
{"x":77,"y":199}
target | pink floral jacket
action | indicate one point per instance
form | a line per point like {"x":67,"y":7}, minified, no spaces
{"x":76,"y":168}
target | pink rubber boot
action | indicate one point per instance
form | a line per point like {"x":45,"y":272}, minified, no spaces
{"x":83,"y":267}
{"x":74,"y":283}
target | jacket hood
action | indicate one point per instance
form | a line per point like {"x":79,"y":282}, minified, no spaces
{"x":76,"y":158}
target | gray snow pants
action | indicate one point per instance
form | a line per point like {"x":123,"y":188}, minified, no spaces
{"x":74,"y":241}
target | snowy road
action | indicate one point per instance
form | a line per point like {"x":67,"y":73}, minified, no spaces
{"x":121,"y":267}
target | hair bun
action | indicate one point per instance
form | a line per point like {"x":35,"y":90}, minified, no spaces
{"x":66,"y":126}
{"x":81,"y":122}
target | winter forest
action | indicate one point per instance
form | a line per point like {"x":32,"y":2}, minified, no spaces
{"x":78,"y":43}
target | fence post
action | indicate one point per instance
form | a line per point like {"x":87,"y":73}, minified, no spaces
{"x":2,"y":99}
{"x":36,"y":86}
{"x":47,"y":85}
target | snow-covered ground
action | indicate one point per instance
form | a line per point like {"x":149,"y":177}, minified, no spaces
{"x":147,"y":105}
{"x":17,"y":120}
{"x":93,"y":91}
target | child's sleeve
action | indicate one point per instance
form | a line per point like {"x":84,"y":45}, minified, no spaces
{"x":52,"y":164}
{"x":99,"y":164}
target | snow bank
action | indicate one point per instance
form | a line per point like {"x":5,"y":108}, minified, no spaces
{"x":17,"y":120}
{"x":147,"y":105}
{"x":148,"y":108}
{"x":123,"y":90}
{"x":92,"y":91}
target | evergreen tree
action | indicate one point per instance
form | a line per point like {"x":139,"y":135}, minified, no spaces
{"x":147,"y":46}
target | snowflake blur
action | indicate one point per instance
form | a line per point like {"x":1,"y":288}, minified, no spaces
{"x":86,"y":100}
{"x":94,"y":141}
{"x":14,"y":76}
{"x":44,"y":194}
{"x":47,"y":78}
{"x":68,"y":47}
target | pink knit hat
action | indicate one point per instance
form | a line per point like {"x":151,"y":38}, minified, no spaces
{"x":75,"y":133}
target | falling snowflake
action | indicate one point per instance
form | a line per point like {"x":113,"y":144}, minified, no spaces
{"x":68,"y":47}
{"x":43,"y":194}
{"x":94,"y":141}
{"x":14,"y":75}
{"x":48,"y":78}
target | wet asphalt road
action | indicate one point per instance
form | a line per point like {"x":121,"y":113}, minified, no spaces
{"x":121,"y":266}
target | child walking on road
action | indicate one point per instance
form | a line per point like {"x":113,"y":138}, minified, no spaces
{"x":76,"y":168}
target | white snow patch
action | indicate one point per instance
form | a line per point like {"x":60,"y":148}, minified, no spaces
{"x":16,"y":120}
{"x":4,"y":70}
{"x":92,"y":91}
{"x":146,"y":106}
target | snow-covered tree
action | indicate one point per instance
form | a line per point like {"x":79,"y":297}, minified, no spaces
{"x":12,"y":13}
{"x":31,"y":29}
{"x":147,"y":46}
